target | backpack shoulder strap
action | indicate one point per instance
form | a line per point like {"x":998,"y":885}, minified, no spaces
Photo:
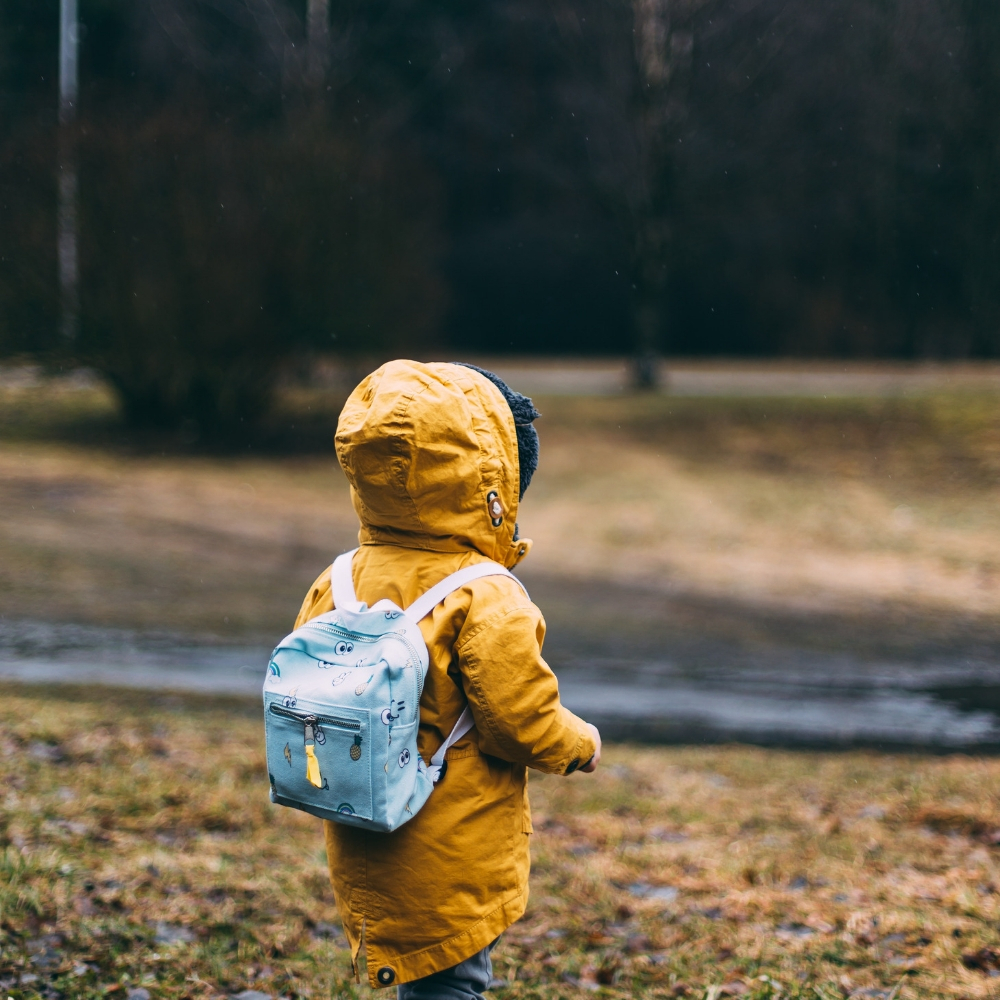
{"x":427,"y":602}
{"x":436,"y":767}
{"x":422,"y":607}
{"x":342,"y":583}
{"x":345,"y":598}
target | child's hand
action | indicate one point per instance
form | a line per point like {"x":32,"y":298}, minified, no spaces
{"x":591,"y":764}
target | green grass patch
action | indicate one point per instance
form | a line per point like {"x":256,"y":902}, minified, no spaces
{"x":138,"y":851}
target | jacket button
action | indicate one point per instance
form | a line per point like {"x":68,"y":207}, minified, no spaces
{"x":385,"y":975}
{"x":495,"y":508}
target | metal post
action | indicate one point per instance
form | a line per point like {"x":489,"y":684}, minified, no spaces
{"x":68,"y":36}
{"x":318,"y":39}
{"x":67,"y":235}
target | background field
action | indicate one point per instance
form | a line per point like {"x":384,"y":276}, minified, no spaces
{"x":139,"y":852}
{"x":878,"y":506}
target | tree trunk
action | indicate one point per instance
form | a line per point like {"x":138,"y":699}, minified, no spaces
{"x":318,"y":34}
{"x":66,"y":238}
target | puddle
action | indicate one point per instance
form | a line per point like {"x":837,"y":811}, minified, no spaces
{"x":663,"y":676}
{"x":770,"y":710}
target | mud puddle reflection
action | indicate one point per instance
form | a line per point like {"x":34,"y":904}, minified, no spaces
{"x":650,"y":667}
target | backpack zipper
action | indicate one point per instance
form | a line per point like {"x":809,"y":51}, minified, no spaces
{"x":339,"y":630}
{"x":311,"y":718}
{"x":398,"y":636}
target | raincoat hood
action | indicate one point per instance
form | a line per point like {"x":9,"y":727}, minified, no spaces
{"x":429,"y":450}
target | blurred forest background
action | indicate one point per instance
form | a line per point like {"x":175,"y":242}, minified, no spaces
{"x":262,"y":180}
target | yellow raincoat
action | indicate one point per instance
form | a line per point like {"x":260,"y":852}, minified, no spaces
{"x":422,"y":445}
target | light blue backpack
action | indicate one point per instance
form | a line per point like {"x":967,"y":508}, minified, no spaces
{"x":342,"y":707}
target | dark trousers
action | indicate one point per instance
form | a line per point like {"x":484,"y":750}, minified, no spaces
{"x":465,"y":981}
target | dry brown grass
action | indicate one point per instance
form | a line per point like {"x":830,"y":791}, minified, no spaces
{"x":140,"y":852}
{"x":836,"y":504}
{"x":810,"y":503}
{"x":128,"y":818}
{"x":202,"y":544}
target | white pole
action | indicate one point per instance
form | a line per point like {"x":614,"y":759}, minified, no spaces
{"x":66,"y":239}
{"x":68,"y":36}
{"x":318,"y":38}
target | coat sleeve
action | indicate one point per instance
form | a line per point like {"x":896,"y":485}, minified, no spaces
{"x":318,"y":601}
{"x":514,"y":695}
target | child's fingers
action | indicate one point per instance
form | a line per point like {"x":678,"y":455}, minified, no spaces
{"x":591,"y":764}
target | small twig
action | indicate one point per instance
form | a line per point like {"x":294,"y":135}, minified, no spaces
{"x":895,"y":989}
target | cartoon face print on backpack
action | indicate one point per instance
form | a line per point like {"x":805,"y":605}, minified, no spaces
{"x":341,"y":649}
{"x":388,"y":716}
{"x":404,"y":758}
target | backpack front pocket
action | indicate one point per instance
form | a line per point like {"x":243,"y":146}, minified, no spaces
{"x":321,"y":761}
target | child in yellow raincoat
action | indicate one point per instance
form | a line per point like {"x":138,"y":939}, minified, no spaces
{"x":438,"y":457}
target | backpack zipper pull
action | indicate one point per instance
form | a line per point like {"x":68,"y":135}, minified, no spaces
{"x":312,"y":764}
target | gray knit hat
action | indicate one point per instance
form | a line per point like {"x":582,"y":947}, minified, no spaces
{"x":524,"y":413}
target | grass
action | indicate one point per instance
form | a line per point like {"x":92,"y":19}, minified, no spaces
{"x":139,"y":852}
{"x":137,"y":847}
{"x":849,"y":504}
{"x":840,"y":503}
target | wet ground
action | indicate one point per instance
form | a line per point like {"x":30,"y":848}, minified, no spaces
{"x":660,"y":666}
{"x":648,"y":666}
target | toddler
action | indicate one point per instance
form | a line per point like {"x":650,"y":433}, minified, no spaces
{"x":438,"y":457}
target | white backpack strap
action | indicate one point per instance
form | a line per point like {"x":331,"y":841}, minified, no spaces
{"x":425,"y":604}
{"x":464,"y":724}
{"x":342,"y":583}
{"x":422,"y":607}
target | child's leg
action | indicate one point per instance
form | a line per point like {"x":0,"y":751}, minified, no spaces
{"x":465,"y":981}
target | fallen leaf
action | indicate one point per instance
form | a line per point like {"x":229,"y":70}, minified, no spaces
{"x":643,"y":890}
{"x":793,"y":932}
{"x":817,"y":923}
{"x":637,"y":943}
{"x":329,"y":932}
{"x":985,"y":960}
{"x":173,"y":934}
{"x":608,"y":971}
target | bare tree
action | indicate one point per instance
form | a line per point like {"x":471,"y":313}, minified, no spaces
{"x":663,"y":45}
{"x":318,"y":39}
{"x":67,"y":216}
